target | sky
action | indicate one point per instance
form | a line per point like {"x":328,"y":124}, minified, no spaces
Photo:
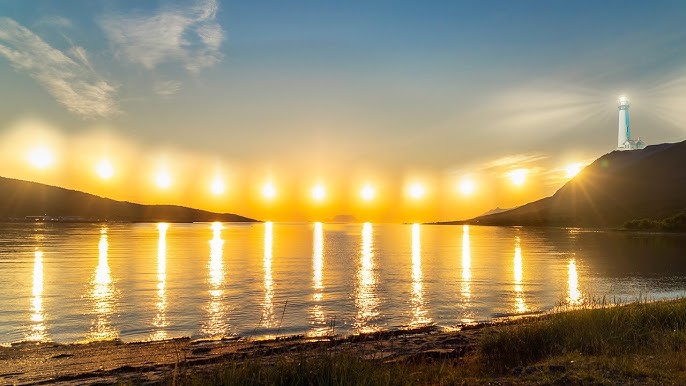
{"x":304,"y":110}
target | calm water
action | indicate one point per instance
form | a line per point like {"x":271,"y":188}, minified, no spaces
{"x":85,"y":282}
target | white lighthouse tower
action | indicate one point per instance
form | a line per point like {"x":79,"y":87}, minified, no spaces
{"x":624,"y":141}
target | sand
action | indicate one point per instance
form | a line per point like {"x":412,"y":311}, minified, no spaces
{"x":114,"y":361}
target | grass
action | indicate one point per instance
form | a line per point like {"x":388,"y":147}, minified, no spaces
{"x":642,"y":343}
{"x":611,"y":331}
{"x":341,"y":368}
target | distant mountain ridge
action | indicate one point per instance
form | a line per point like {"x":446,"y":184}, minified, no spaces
{"x":617,"y":187}
{"x":19,"y":199}
{"x":495,"y":210}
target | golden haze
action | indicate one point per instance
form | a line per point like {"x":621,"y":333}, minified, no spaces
{"x":101,"y":163}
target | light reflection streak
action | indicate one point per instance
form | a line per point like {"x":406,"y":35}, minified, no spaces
{"x":317,"y":313}
{"x":216,"y":325}
{"x":520,"y":304}
{"x":573,"y":292}
{"x":366,"y":300}
{"x":419,"y":312}
{"x":37,"y":331}
{"x":268,"y":319}
{"x":466,"y":263}
{"x":160,"y":320}
{"x":465,"y":289}
{"x":102,"y":294}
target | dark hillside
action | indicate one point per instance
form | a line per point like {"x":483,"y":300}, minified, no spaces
{"x":615,"y":188}
{"x":19,"y":199}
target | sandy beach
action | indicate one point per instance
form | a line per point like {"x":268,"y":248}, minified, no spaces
{"x":114,"y":361}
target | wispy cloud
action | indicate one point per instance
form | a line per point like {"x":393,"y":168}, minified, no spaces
{"x":189,"y":36}
{"x":71,"y":80}
{"x":545,"y":107}
{"x":513,"y":161}
{"x":80,"y":55}
{"x":167,"y":88}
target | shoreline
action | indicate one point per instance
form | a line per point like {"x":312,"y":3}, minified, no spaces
{"x":112,"y":361}
{"x":641,"y":342}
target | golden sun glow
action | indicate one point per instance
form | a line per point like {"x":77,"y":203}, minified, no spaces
{"x":318,"y":193}
{"x":572,"y":170}
{"x":163,"y":180}
{"x":268,"y":191}
{"x":416,"y":191}
{"x":217,"y":186}
{"x":367,"y":193}
{"x":518,"y":176}
{"x":105,"y":169}
{"x":41,"y":157}
{"x":107,"y":166}
{"x":467,"y":187}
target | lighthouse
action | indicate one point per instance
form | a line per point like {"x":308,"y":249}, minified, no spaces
{"x":624,"y":141}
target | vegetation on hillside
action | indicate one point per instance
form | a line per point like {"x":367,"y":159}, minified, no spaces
{"x":670,"y":224}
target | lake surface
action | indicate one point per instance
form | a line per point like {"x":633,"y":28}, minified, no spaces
{"x":135,"y":282}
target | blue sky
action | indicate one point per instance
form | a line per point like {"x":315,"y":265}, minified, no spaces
{"x":332,"y":87}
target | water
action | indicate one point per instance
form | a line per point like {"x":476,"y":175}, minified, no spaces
{"x":135,"y":282}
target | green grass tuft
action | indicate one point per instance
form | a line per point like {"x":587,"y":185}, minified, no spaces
{"x":614,"y":331}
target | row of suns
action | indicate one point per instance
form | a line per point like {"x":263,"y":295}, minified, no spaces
{"x":102,"y":289}
{"x":42,"y":158}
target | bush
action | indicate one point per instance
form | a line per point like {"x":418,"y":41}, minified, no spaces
{"x":669,"y":224}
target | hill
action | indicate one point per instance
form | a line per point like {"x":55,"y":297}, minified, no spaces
{"x":19,"y":199}
{"x":495,"y":210}
{"x":617,"y":187}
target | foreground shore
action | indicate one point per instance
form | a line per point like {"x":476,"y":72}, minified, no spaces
{"x":640,"y":343}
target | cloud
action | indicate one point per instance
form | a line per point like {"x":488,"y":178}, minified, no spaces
{"x":73,"y":83}
{"x":167,"y":88}
{"x":514,"y":161}
{"x":190,"y":36}
{"x":547,"y":107}
{"x":80,"y":55}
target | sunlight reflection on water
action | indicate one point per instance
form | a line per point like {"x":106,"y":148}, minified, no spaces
{"x":520,"y":304}
{"x":151,"y":283}
{"x":102,"y":295}
{"x":317,"y":316}
{"x":268,"y":318}
{"x":419,"y":311}
{"x":216,"y":324}
{"x":366,"y":300}
{"x":37,"y":331}
{"x":160,"y":320}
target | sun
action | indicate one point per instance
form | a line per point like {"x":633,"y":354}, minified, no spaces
{"x":105,"y":169}
{"x":163,"y":180}
{"x":268,"y":191}
{"x":572,"y":170}
{"x":417,"y":191}
{"x":518,"y":176}
{"x":367,"y":193}
{"x":318,"y":193}
{"x":217,"y":186}
{"x":41,"y":157}
{"x":467,"y":187}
